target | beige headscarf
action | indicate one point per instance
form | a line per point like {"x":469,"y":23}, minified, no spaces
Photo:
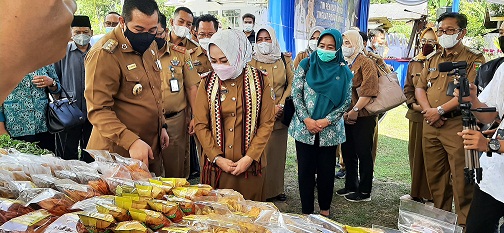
{"x":355,"y":40}
{"x":312,"y":31}
{"x":275,"y":53}
{"x":235,"y":45}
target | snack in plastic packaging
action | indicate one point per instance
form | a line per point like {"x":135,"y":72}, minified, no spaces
{"x":130,"y":202}
{"x":65,"y":174}
{"x":326,"y":223}
{"x":66,"y":223}
{"x":261,"y":212}
{"x":7,"y":193}
{"x":186,"y":205}
{"x":96,"y":222}
{"x":153,"y":219}
{"x":51,"y":200}
{"x":170,"y":209}
{"x":20,"y":176}
{"x":150,"y":191}
{"x":101,"y":186}
{"x":119,"y":214}
{"x":165,"y":186}
{"x":19,"y":186}
{"x":90,"y":204}
{"x":131,"y":227}
{"x":251,"y":227}
{"x":100,"y":155}
{"x":114,"y":182}
{"x":190,"y":192}
{"x":33,"y":169}
{"x":175,"y":182}
{"x":77,"y":192}
{"x":183,"y":230}
{"x":10,"y":209}
{"x":206,"y":208}
{"x":138,"y":170}
{"x":44,"y":181}
{"x":33,"y":222}
{"x":85,"y":177}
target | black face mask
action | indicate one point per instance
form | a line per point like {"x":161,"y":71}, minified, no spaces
{"x":160,"y":42}
{"x":427,"y":49}
{"x":501,"y":42}
{"x":139,"y":41}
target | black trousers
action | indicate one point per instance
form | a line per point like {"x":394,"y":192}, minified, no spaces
{"x":357,"y":154}
{"x":315,"y":159}
{"x":484,"y":214}
{"x":194,"y":158}
{"x":68,"y":142}
{"x":45,"y":140}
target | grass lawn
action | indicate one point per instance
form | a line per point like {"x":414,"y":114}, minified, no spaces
{"x":392,"y":178}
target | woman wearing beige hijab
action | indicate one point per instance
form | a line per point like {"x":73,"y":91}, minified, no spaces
{"x":234,"y":117}
{"x":312,"y":45}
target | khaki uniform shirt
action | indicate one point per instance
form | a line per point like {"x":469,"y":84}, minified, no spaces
{"x":200,"y":61}
{"x":178,"y":74}
{"x":232,"y":113}
{"x":279,"y":75}
{"x":436,"y":93}
{"x":378,"y":60}
{"x":186,"y":43}
{"x":365,"y":79}
{"x":119,"y":116}
{"x":299,"y":57}
{"x":415,"y":68}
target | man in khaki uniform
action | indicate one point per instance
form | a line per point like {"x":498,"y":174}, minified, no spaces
{"x":206,"y":26}
{"x":181,"y":27}
{"x":443,"y":151}
{"x":123,"y":88}
{"x":179,"y":87}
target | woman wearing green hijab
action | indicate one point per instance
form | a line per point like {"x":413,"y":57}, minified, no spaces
{"x":321,"y":94}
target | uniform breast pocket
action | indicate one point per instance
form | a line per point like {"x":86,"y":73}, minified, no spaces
{"x":432,"y":78}
{"x":132,"y":86}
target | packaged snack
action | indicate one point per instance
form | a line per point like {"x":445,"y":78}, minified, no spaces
{"x":165,"y":186}
{"x":100,"y":155}
{"x":7,"y":193}
{"x":183,"y":230}
{"x":85,"y":177}
{"x":44,"y":181}
{"x":138,"y":170}
{"x":119,"y":214}
{"x":175,"y":182}
{"x":186,"y":205}
{"x":51,"y":200}
{"x":113,"y":182}
{"x":131,"y":227}
{"x":33,"y":222}
{"x":130,"y":202}
{"x":150,"y":191}
{"x":153,"y":219}
{"x":170,"y":209}
{"x":326,"y":223}
{"x":77,"y":192}
{"x":261,"y":212}
{"x":90,"y":204}
{"x":65,"y":174}
{"x":33,"y":169}
{"x":66,"y":223}
{"x":101,"y":186}
{"x":10,"y":209}
{"x":20,"y":176}
{"x":96,"y":222}
{"x":206,"y":208}
{"x":251,"y":227}
{"x":19,"y":186}
{"x":190,"y":192}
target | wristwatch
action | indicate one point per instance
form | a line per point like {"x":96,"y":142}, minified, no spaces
{"x":355,"y":109}
{"x":494,"y":146}
{"x":440,"y":110}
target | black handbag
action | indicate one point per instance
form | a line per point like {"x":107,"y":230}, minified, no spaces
{"x":63,"y":113}
{"x":288,"y":111}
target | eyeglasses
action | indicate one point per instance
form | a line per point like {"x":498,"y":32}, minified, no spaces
{"x":111,"y":24}
{"x":160,"y":33}
{"x":205,"y":35}
{"x":450,"y":31}
{"x":429,"y":41}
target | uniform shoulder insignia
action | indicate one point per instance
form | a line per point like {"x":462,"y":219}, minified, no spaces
{"x":475,"y":51}
{"x":179,"y":49}
{"x":110,"y":45}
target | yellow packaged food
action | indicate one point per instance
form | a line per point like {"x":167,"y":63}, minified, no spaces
{"x":150,"y":191}
{"x":206,"y":208}
{"x":131,"y":227}
{"x":170,"y":209}
{"x":182,"y":230}
{"x":186,"y":205}
{"x":119,"y":214}
{"x":33,"y":222}
{"x":129,"y":202}
{"x":163,"y":185}
{"x":176,"y":182}
{"x":96,"y":222}
{"x":153,"y":219}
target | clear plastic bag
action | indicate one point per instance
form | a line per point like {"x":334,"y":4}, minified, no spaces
{"x":10,"y":209}
{"x":33,"y":222}
{"x":65,"y":174}
{"x":35,"y":168}
{"x":261,"y":212}
{"x":100,"y":155}
{"x":51,"y":200}
{"x":96,"y":222}
{"x":207,"y":208}
{"x":170,"y":209}
{"x":132,"y":227}
{"x":77,"y":192}
{"x":19,"y":186}
{"x":89,"y":205}
{"x":153,"y":219}
{"x":44,"y":181}
{"x":66,"y":223}
{"x":326,"y":223}
{"x":186,"y":205}
{"x":418,"y":217}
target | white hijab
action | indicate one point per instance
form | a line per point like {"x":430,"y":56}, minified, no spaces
{"x":275,"y":53}
{"x":235,"y":45}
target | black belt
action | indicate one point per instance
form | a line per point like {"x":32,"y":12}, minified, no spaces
{"x":170,"y":115}
{"x":452,"y":114}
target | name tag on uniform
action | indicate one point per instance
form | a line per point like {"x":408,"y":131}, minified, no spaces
{"x":174,"y":86}
{"x":158,"y":63}
{"x":131,"y":66}
{"x":432,"y":69}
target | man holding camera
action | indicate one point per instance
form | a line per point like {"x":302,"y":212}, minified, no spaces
{"x":488,"y":204}
{"x":443,"y":151}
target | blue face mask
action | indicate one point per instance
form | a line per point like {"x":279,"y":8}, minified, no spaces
{"x":326,"y":55}
{"x":109,"y":29}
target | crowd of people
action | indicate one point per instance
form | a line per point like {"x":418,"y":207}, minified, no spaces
{"x":191,"y":99}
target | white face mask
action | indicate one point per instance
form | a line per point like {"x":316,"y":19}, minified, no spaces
{"x":204,"y":42}
{"x":265,"y":47}
{"x":109,"y":29}
{"x":347,"y":52}
{"x":181,"y":31}
{"x":248,"y":27}
{"x":448,"y":41}
{"x":313,"y":44}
